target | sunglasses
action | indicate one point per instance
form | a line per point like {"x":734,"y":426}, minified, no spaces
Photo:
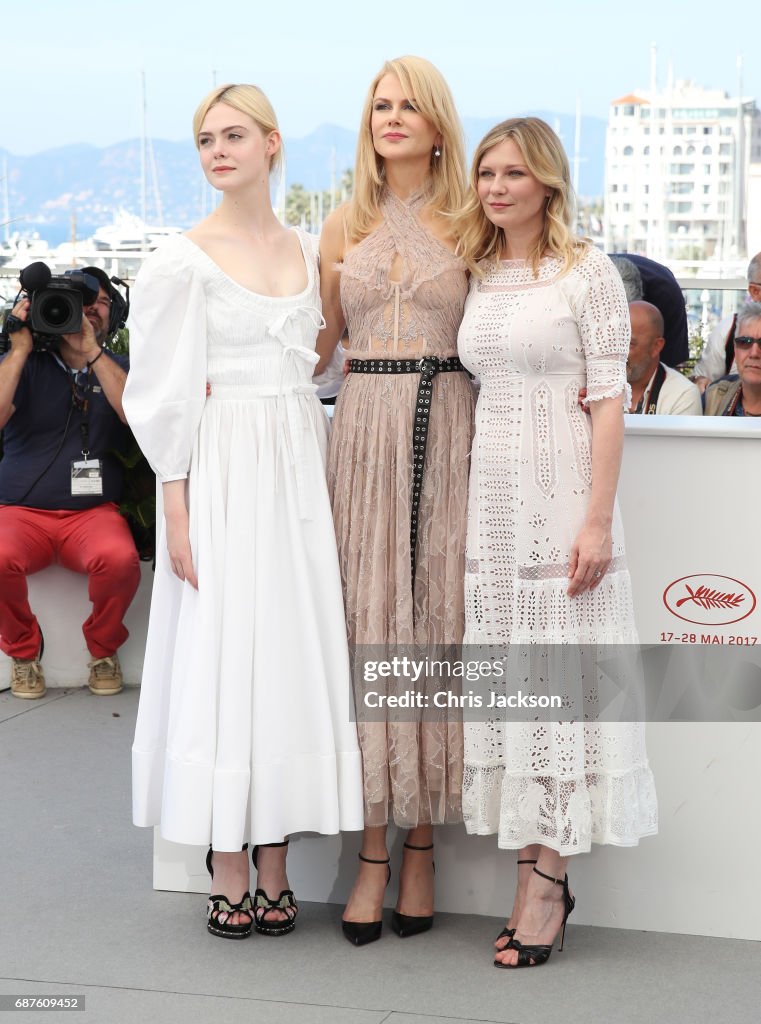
{"x":744,"y":342}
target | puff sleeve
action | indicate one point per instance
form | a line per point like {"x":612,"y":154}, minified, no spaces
{"x":602,"y":316}
{"x":166,"y":386}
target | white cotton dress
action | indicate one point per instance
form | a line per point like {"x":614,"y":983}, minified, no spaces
{"x":533,"y":343}
{"x":244,"y":730}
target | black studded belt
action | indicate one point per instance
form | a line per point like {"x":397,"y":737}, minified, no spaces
{"x":427,"y":367}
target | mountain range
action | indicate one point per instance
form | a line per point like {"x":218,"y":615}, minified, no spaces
{"x":46,"y":189}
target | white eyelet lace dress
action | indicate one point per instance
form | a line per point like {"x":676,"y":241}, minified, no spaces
{"x":533,"y":343}
{"x":244,"y":730}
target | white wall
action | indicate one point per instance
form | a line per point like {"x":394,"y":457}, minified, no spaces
{"x":59,"y":600}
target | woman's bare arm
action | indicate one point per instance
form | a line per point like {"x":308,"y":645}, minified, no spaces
{"x":593,"y":547}
{"x":332,"y":245}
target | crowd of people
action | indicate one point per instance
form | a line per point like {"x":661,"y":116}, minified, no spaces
{"x":432,"y":513}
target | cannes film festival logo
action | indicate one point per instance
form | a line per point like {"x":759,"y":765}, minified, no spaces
{"x":709,"y":600}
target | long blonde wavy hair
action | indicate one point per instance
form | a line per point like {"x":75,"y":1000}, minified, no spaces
{"x":246,"y":99}
{"x":425,"y":85}
{"x":544,"y":156}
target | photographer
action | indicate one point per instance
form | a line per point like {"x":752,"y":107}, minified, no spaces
{"x":61,"y":413}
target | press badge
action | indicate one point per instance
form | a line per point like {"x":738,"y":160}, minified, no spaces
{"x":86,"y":476}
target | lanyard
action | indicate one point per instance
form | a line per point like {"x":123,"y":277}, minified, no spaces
{"x":737,"y":404}
{"x":80,"y":399}
{"x":652,"y":399}
{"x":731,"y":409}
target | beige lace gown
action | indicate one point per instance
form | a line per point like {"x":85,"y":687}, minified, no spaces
{"x":412,"y":769}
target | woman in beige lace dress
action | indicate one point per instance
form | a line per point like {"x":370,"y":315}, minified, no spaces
{"x":390,"y":276}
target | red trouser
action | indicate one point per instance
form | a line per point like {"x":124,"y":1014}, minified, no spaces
{"x":96,"y":541}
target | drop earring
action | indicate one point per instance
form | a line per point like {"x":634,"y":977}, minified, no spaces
{"x":436,"y":151}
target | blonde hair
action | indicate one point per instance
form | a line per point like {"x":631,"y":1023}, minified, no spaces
{"x":425,"y":85}
{"x":247,"y":99}
{"x":544,"y":156}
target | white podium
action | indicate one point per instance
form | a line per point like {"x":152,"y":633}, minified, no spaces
{"x":690,"y":494}
{"x":690,"y":490}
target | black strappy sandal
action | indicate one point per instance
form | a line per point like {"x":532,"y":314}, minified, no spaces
{"x":406,"y":925}
{"x":220,"y":910}
{"x":262,"y":905}
{"x":360,"y":933}
{"x":507,"y":933}
{"x":535,"y":956}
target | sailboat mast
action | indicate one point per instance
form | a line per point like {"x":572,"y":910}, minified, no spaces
{"x":143,"y":134}
{"x":739,"y":196}
{"x":577,"y":147}
{"x":6,"y":202}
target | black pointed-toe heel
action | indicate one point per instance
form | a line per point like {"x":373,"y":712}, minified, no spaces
{"x":262,"y":904}
{"x":406,"y":925}
{"x":507,"y":933}
{"x":219,"y":909}
{"x":535,"y":956}
{"x":361,"y":933}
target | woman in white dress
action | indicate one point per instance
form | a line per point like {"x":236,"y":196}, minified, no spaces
{"x":244,"y":729}
{"x":545,"y":566}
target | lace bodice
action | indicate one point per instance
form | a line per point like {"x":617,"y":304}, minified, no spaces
{"x":420,"y":313}
{"x":584,"y":311}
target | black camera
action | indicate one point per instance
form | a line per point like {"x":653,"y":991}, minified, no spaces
{"x":56,"y":302}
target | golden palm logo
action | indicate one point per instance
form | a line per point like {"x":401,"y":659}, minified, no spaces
{"x":707,"y":598}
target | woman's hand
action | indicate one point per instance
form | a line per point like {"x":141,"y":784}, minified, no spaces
{"x":590,"y":557}
{"x":178,"y":532}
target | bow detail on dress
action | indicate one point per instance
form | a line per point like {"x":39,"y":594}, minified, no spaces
{"x":277,"y":328}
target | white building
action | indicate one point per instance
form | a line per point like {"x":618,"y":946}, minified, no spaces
{"x":678,"y":167}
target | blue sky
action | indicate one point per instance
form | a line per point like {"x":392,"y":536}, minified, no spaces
{"x":72,"y":72}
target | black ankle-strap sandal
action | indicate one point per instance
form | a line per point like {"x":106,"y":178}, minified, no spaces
{"x":535,"y":956}
{"x":406,"y":925}
{"x":219,"y":910}
{"x":263,"y":905}
{"x":507,"y":933}
{"x":360,"y":933}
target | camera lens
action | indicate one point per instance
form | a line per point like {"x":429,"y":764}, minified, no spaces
{"x":56,"y":311}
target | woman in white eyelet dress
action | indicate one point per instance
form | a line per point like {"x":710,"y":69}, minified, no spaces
{"x":545,"y":567}
{"x":244,"y":730}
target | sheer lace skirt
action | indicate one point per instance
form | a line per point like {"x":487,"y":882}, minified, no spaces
{"x":412,"y":770}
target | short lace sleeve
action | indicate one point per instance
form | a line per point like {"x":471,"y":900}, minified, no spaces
{"x":602,"y":315}
{"x":166,"y":386}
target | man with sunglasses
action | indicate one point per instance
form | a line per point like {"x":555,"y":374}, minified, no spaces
{"x":740,"y":394}
{"x":60,"y":484}
{"x":718,"y":356}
